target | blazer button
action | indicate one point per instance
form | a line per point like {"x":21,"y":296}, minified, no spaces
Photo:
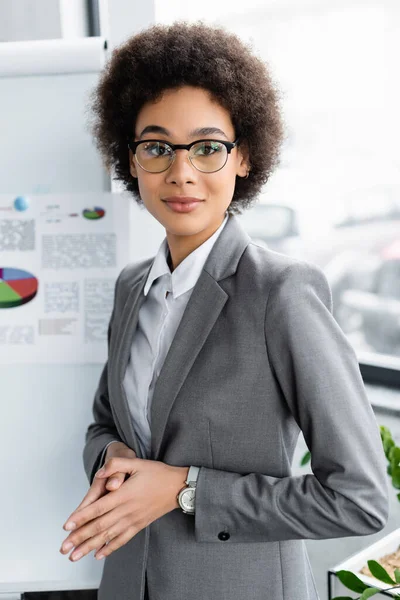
{"x":224,"y":535}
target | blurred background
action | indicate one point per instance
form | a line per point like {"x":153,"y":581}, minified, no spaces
{"x":335,"y":198}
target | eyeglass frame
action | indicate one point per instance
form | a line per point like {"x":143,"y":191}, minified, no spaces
{"x":132,"y":145}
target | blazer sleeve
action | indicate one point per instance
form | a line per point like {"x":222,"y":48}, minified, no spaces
{"x":102,"y":431}
{"x":319,"y":376}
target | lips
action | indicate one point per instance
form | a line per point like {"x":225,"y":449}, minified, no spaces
{"x":182,"y":199}
{"x":182,"y":204}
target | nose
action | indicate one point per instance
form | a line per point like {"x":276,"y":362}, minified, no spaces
{"x":181,"y":171}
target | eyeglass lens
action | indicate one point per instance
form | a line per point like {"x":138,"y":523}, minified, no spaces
{"x":206,"y":156}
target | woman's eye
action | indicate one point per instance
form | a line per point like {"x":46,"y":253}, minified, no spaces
{"x":156,"y":149}
{"x":208,"y":148}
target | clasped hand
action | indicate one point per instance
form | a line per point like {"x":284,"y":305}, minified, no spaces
{"x":106,"y":520}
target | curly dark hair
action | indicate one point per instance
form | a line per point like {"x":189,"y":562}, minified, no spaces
{"x":165,"y":57}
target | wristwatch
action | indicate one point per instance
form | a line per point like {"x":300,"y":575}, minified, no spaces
{"x":186,"y":496}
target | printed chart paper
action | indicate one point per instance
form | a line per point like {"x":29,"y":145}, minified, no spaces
{"x":60,"y":255}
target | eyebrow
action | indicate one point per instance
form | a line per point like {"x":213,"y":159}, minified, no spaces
{"x":193,"y":133}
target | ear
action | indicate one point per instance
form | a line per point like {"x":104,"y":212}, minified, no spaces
{"x":243,"y":164}
{"x":132,"y":164}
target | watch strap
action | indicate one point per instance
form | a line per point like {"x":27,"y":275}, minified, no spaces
{"x":192,"y":476}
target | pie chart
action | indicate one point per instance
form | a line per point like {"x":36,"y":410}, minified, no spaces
{"x":17,"y":287}
{"x":96,"y":212}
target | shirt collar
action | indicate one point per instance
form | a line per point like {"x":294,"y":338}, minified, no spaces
{"x":186,"y":274}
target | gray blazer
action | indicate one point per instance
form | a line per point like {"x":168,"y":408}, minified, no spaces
{"x":257,"y":356}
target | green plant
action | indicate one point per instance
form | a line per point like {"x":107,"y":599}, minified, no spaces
{"x":392,"y":453}
{"x":348,"y":578}
{"x":353,"y":583}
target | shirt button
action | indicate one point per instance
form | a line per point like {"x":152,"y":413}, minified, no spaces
{"x":224,"y":535}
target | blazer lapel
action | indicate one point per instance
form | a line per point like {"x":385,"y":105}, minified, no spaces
{"x":202,"y":310}
{"x":126,"y":330}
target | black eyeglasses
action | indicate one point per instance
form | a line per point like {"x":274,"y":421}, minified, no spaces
{"x":156,"y":156}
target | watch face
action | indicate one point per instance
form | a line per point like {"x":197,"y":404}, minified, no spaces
{"x":187,"y":498}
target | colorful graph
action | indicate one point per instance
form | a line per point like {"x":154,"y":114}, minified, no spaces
{"x":17,"y":287}
{"x":96,"y":212}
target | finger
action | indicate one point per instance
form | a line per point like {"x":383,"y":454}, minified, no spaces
{"x":96,"y":491}
{"x":116,"y":543}
{"x":115,"y":481}
{"x":117,"y":464}
{"x":96,"y":509}
{"x":95,"y":535}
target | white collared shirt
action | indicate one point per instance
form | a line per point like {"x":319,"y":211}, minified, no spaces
{"x":167,"y":295}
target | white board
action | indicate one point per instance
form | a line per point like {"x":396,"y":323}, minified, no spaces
{"x":46,"y":409}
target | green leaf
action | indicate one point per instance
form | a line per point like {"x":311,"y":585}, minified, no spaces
{"x":389,"y":469}
{"x":395,"y":456}
{"x":396,"y":477}
{"x":397,"y":575}
{"x":385,"y":433}
{"x":305,"y":458}
{"x":369,"y":593}
{"x":388,"y":443}
{"x":379,"y":572}
{"x":398,"y":497}
{"x":351,"y":581}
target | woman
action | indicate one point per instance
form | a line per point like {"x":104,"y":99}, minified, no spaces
{"x":220,"y":350}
